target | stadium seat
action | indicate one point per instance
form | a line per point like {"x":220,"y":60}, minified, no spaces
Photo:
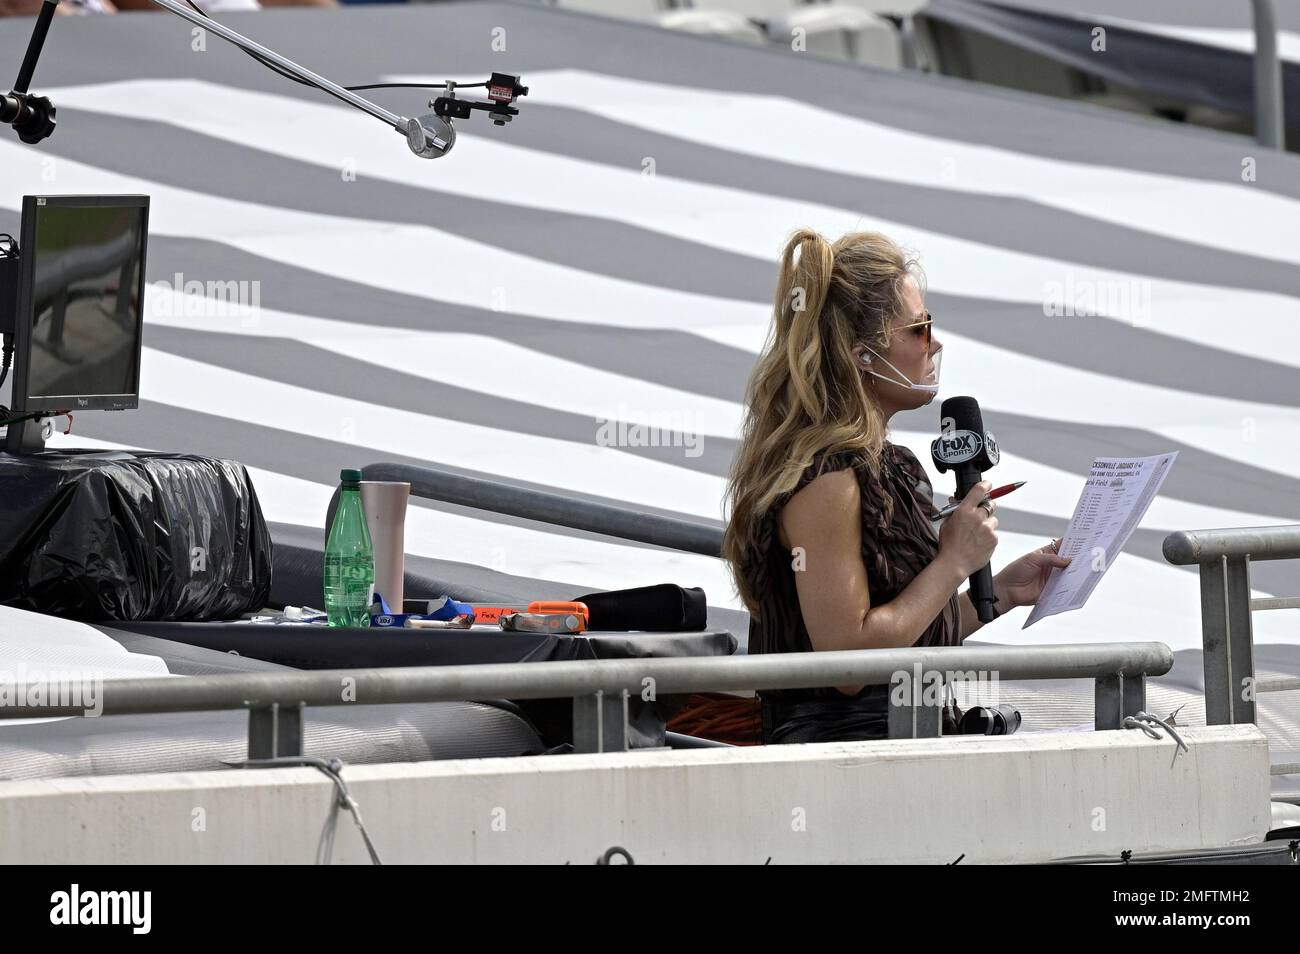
{"x":844,"y":30}
{"x":727,"y":24}
{"x":897,"y":9}
{"x":836,"y":29}
{"x":719,"y":23}
{"x":623,"y":9}
{"x":828,"y":28}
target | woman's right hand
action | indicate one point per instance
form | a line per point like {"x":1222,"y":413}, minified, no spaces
{"x":968,"y":536}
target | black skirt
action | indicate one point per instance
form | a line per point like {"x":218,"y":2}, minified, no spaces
{"x":827,"y":719}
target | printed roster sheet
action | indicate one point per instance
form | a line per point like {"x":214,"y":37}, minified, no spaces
{"x":1115,"y":496}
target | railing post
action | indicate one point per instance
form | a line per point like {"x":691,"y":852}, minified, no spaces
{"x":274,"y":730}
{"x":1229,"y":645}
{"x":1118,"y":696}
{"x":1270,"y":126}
{"x":600,"y":722}
{"x":912,"y":718}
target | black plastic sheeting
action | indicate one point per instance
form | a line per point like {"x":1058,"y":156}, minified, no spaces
{"x":131,"y":536}
{"x":1141,"y":59}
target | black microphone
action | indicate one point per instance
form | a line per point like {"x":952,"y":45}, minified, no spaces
{"x":964,"y":447}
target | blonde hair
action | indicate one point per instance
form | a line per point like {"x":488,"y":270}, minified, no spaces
{"x":806,"y":394}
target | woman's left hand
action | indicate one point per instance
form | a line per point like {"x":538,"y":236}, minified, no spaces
{"x":1021,"y":583}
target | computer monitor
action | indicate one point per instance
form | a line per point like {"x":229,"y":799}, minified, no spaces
{"x":79,"y":310}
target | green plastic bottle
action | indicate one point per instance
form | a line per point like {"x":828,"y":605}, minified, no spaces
{"x":349,"y":559}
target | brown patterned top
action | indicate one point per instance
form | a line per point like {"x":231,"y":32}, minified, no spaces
{"x":898,"y":541}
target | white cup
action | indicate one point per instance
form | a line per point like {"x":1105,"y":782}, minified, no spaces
{"x":385,"y":505}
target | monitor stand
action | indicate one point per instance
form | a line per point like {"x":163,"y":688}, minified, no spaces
{"x":25,"y":438}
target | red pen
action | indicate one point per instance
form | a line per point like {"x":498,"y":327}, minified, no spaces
{"x":993,"y":494}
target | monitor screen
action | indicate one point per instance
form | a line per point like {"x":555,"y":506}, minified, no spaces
{"x":81,"y":300}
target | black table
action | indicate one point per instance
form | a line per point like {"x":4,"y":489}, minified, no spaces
{"x":321,"y":647}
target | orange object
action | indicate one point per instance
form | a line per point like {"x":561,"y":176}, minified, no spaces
{"x":555,"y":606}
{"x":493,"y":614}
{"x":722,"y":717}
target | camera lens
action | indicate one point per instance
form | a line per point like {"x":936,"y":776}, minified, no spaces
{"x":990,"y":720}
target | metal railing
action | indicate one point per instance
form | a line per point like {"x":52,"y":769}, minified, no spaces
{"x":601,"y":689}
{"x":1227,"y":635}
{"x":497,"y":497}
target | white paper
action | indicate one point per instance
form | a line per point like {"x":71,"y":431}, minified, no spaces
{"x":1114,"y":499}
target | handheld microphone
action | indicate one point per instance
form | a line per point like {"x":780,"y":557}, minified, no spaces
{"x":964,"y":447}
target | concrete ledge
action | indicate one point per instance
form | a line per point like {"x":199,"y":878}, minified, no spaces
{"x":1031,"y":797}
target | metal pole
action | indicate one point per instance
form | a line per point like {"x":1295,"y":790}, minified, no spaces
{"x":497,"y":497}
{"x":1227,"y":641}
{"x":600,"y":722}
{"x":609,"y":676}
{"x":1269,"y":127}
{"x":1227,"y":638}
{"x":1216,"y":660}
{"x":914,"y":718}
{"x":274,"y":730}
{"x":181,"y":10}
{"x":1117,"y":696}
{"x":35,"y":45}
{"x":1241,"y":639}
{"x":1189,"y":547}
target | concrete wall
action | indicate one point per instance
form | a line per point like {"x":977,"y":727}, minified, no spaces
{"x":1026,"y":797}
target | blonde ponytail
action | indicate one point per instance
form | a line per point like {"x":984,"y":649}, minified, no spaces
{"x":805,"y":395}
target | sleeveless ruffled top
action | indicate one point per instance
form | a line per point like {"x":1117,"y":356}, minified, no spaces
{"x":899,"y":540}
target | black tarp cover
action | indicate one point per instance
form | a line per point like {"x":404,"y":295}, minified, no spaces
{"x":131,"y":536}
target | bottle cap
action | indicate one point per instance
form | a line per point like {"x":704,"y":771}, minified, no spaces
{"x":349,"y":476}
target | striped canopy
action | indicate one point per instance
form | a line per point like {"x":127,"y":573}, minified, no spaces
{"x":608,"y":259}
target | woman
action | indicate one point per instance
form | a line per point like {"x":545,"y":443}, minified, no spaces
{"x":831,"y":538}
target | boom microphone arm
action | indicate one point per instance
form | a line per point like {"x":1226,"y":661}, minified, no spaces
{"x":31,"y":116}
{"x":429,"y":136}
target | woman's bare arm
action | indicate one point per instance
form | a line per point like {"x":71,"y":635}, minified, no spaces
{"x":822,"y":525}
{"x":970,"y":620}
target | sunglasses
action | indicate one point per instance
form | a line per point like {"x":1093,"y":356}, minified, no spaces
{"x":923,"y":328}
